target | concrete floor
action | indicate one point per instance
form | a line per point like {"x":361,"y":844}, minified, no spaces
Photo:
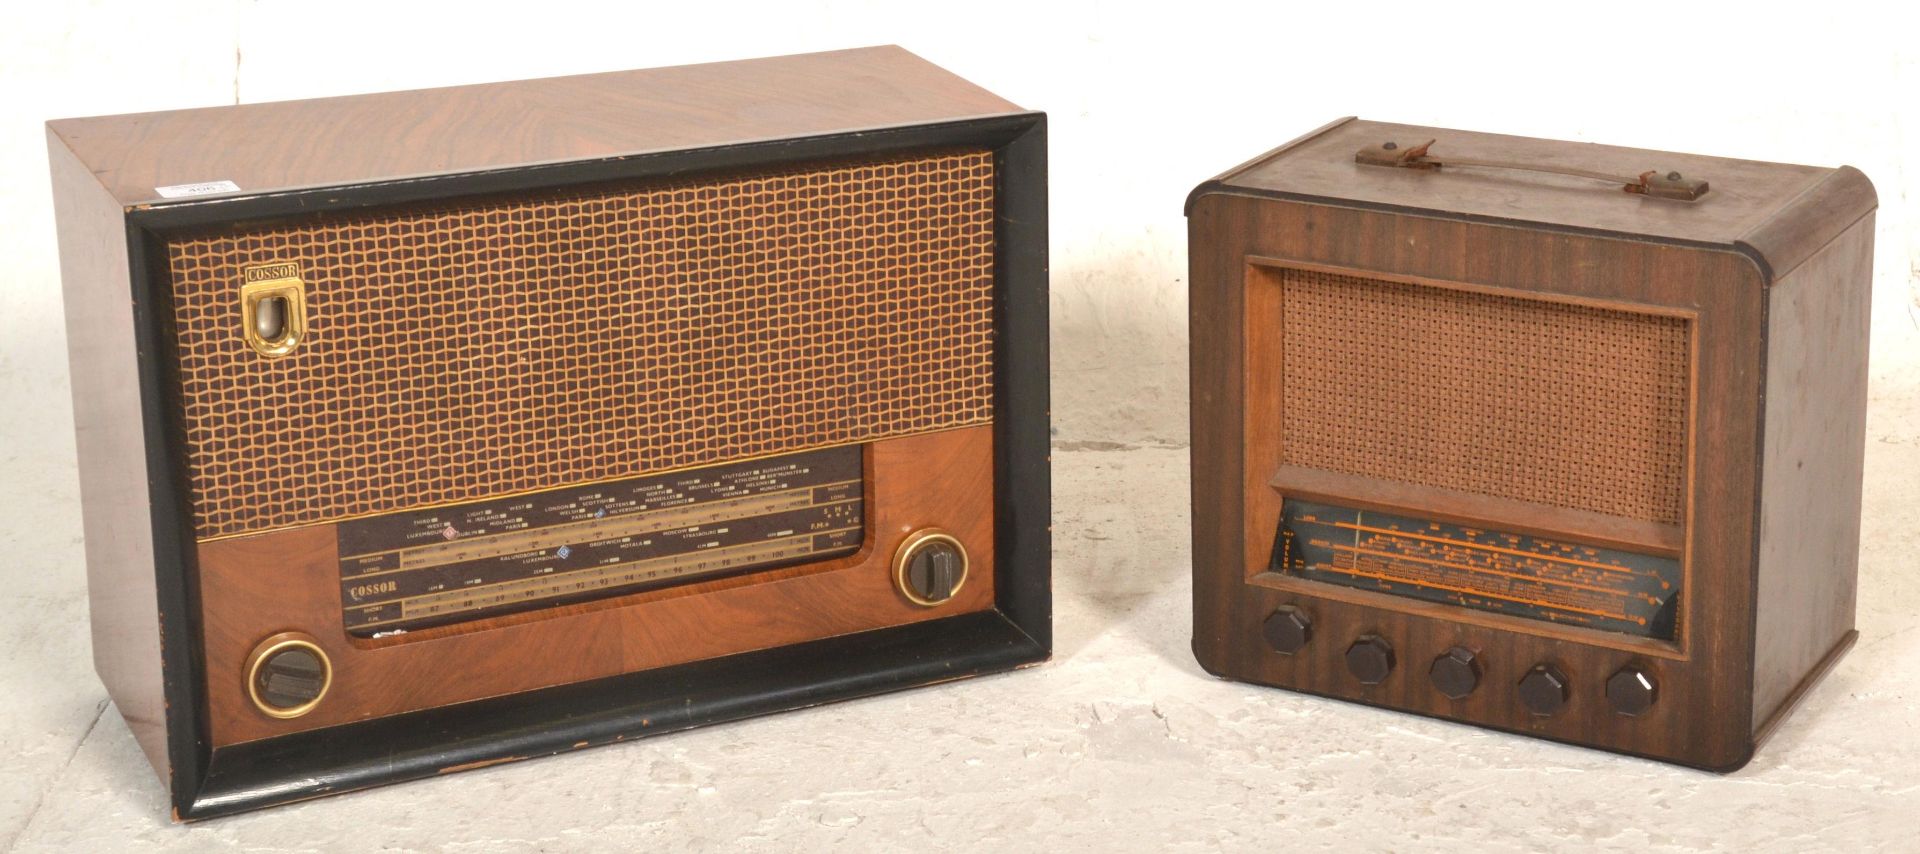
{"x":1121,"y":742}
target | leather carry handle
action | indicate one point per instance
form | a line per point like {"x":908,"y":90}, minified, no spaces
{"x":1659,"y":185}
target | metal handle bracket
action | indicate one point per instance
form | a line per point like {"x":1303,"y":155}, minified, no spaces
{"x":1654,"y":182}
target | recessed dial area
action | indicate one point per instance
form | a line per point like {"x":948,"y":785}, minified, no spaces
{"x":405,"y":571}
{"x":1481,"y":568}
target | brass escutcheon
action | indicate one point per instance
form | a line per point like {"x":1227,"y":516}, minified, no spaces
{"x":273,"y":309}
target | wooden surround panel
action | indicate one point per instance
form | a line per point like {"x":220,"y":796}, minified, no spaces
{"x":254,"y":587}
{"x":1240,"y":481}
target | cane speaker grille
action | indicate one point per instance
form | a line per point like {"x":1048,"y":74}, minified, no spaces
{"x":475,"y":351}
{"x":1548,"y":402}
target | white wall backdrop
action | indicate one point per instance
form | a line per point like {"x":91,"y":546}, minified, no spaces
{"x":1145,"y":100}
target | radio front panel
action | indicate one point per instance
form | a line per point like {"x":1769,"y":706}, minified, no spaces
{"x":1469,"y":485}
{"x":504,"y":413}
{"x":1568,"y":416}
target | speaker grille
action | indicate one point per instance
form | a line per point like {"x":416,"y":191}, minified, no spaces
{"x":484,"y":350}
{"x":1557,"y":404}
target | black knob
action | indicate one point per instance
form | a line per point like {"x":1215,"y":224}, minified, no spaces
{"x":935,"y":569}
{"x":1370,"y":659}
{"x":1288,"y":629}
{"x":929,"y":567}
{"x":1632,"y":691}
{"x":1456,"y":672}
{"x":1543,"y":690}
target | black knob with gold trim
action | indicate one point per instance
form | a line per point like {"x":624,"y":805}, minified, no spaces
{"x":930,"y":567}
{"x":288,"y":675}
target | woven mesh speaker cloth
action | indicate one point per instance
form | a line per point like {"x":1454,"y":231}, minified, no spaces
{"x":1557,"y":404}
{"x":471,"y":352}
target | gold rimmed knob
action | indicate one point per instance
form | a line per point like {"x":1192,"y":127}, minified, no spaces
{"x":930,"y":567}
{"x":288,"y":675}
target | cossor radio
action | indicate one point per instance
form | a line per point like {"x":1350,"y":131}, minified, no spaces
{"x":428,"y":430}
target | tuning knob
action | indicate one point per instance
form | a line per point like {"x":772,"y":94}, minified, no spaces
{"x":1288,"y":629}
{"x":930,"y":567}
{"x":288,"y":675}
{"x":1370,"y":659}
{"x":1632,"y":691}
{"x":1543,"y":690}
{"x":1456,"y":672}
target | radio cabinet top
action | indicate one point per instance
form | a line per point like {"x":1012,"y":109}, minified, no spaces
{"x":266,"y":147}
{"x":1774,"y":213}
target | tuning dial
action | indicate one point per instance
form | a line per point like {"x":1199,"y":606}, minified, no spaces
{"x":930,"y":567}
{"x":287,"y":675}
{"x":1370,"y":659}
{"x":1543,"y":690}
{"x":1456,"y":672}
{"x":1632,"y":691}
{"x":1288,"y":629}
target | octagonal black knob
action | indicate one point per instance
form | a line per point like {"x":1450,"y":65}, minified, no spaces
{"x":1632,"y":691}
{"x":1370,"y":659}
{"x":1543,"y":690}
{"x":1288,"y":629}
{"x":1456,"y":672}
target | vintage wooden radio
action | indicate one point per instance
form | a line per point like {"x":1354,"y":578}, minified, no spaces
{"x":1478,"y":435}
{"x":428,"y":430}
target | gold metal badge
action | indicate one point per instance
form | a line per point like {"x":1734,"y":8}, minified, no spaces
{"x":273,"y":308}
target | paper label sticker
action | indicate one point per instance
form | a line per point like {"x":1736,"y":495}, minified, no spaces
{"x":204,"y":188}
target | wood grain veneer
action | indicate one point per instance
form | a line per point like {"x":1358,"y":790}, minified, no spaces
{"x":174,"y":619}
{"x":1771,"y":269}
{"x":257,"y":586}
{"x":103,"y":350}
{"x":350,"y":139}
